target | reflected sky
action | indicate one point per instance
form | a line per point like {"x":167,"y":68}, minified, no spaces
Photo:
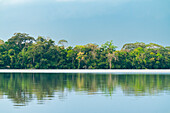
{"x":63,"y":93}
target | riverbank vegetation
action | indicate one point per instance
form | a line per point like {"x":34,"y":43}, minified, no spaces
{"x":25,"y":52}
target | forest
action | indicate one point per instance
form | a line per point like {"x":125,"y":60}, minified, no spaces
{"x":22,"y":51}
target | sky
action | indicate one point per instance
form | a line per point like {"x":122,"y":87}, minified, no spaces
{"x":88,"y":21}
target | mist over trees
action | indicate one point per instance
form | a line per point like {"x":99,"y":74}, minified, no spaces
{"x":22,"y":51}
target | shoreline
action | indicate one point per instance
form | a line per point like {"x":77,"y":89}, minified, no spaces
{"x":104,"y":71}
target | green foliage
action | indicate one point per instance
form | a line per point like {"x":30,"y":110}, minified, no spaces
{"x":63,"y":42}
{"x":132,"y":46}
{"x":22,"y":51}
{"x":1,"y":42}
{"x":108,"y":46}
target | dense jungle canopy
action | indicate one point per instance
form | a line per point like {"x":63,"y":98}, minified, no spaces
{"x":22,"y":51}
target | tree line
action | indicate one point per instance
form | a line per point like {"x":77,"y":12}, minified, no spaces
{"x":22,"y":51}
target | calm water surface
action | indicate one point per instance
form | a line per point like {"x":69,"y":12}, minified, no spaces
{"x":84,"y":93}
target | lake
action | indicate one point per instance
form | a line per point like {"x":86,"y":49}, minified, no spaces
{"x":84,"y":93}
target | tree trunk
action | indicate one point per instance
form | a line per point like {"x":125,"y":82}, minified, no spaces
{"x":72,"y":62}
{"x":110,"y":64}
{"x":79,"y":64}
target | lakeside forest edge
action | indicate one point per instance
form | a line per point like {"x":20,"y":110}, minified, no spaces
{"x":22,"y":51}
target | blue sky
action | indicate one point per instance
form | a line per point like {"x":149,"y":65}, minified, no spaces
{"x":88,"y":21}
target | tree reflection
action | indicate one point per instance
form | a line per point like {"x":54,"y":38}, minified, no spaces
{"x":22,"y":88}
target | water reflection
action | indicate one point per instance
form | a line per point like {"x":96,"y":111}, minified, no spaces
{"x":22,"y":88}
